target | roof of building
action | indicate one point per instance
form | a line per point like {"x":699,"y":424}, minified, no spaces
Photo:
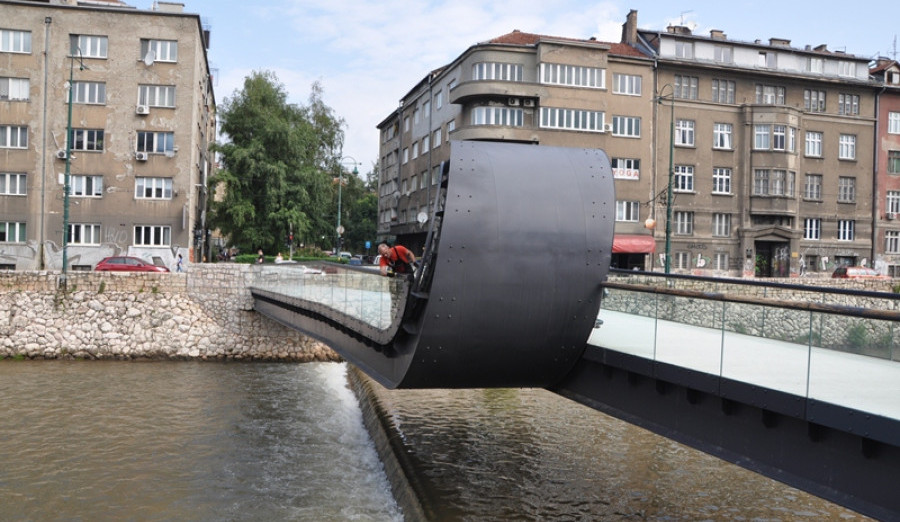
{"x":519,"y":38}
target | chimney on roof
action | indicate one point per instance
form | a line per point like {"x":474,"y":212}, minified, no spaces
{"x":679,"y":29}
{"x":717,"y":34}
{"x":821,"y":48}
{"x":780,"y":41}
{"x":629,"y":28}
{"x":170,"y":7}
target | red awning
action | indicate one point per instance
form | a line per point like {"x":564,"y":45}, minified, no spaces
{"x":625,"y":244}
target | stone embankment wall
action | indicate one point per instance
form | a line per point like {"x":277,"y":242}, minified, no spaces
{"x":869,"y":336}
{"x":206,"y":313}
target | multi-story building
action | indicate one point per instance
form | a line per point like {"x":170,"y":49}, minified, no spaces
{"x":768,"y":149}
{"x":887,"y":167}
{"x":132,"y":140}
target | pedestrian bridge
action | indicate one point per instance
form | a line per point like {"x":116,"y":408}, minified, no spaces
{"x":796,"y":382}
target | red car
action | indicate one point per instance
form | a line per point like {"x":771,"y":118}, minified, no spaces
{"x":127,"y":264}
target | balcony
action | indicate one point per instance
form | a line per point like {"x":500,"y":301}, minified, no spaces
{"x":468,"y":91}
{"x":774,"y":205}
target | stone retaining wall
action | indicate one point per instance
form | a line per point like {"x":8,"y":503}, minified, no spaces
{"x":206,"y":313}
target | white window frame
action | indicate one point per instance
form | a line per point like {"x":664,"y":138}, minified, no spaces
{"x":156,"y":95}
{"x":152,"y":235}
{"x":155,"y":142}
{"x":812,"y":187}
{"x":893,"y":123}
{"x":721,"y":180}
{"x":723,"y":90}
{"x":88,"y":140}
{"x":723,"y":54}
{"x":149,"y":187}
{"x":163,"y":50}
{"x":721,"y":225}
{"x":13,"y":136}
{"x":88,"y":46}
{"x":89,"y":93}
{"x":12,"y":232}
{"x":846,"y":189}
{"x":626,"y":126}
{"x":779,"y":137}
{"x":498,"y":116}
{"x":85,"y":234}
{"x":848,"y":104}
{"x":814,"y":100}
{"x":769,"y":94}
{"x":13,"y":184}
{"x":86,"y":186}
{"x":684,"y":50}
{"x":498,"y":71}
{"x":686,"y":87}
{"x":892,"y":241}
{"x":681,"y":260}
{"x":572,"y":119}
{"x":683,"y":178}
{"x":723,"y":136}
{"x":846,"y":230}
{"x":626,"y":168}
{"x":15,"y":41}
{"x":15,"y":89}
{"x":762,"y":137}
{"x":683,"y":223}
{"x":627,"y":84}
{"x":628,"y":211}
{"x":847,"y":147}
{"x":814,"y":144}
{"x":572,"y":75}
{"x":892,"y":201}
{"x":812,"y":229}
{"x":684,"y":133}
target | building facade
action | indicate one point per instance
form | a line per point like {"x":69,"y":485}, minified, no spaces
{"x":887,"y":167}
{"x":132,"y":141}
{"x":768,"y":149}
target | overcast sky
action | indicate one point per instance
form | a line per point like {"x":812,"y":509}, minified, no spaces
{"x":368,"y":54}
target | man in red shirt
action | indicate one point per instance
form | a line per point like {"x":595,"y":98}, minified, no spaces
{"x":396,"y":258}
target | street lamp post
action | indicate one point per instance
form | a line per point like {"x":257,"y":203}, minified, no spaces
{"x":660,"y":98}
{"x":67,"y":179}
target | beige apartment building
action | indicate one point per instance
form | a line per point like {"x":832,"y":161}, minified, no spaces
{"x":771,"y":150}
{"x":142,"y":116}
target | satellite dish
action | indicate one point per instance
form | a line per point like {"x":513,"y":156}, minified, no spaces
{"x":422,"y":218}
{"x":149,"y":58}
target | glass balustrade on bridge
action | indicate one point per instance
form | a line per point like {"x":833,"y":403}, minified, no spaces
{"x":358,"y":293}
{"x":750,"y":335}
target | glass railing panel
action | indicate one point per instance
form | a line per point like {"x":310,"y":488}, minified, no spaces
{"x":626,"y":322}
{"x":855,"y":364}
{"x":766,"y":346}
{"x":689,"y":333}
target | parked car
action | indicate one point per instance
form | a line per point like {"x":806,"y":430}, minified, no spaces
{"x":127,"y":264}
{"x":856,"y":272}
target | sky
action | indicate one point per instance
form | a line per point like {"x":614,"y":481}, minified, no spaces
{"x":368,"y":54}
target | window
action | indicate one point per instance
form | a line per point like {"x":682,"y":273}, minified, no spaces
{"x":405,"y":155}
{"x":723,"y":91}
{"x":87,"y":139}
{"x":626,"y":126}
{"x":815,"y":65}
{"x":684,"y":133}
{"x":812,"y":189}
{"x":435,"y":175}
{"x":845,"y":229}
{"x":13,"y":137}
{"x":893,"y":123}
{"x":436,"y":137}
{"x":814,"y":144}
{"x":893,"y":202}
{"x":846,"y":189}
{"x":12,"y":41}
{"x":721,"y":225}
{"x":451,"y":126}
{"x":847,"y":147}
{"x":723,"y":136}
{"x":684,"y":50}
{"x":629,"y":84}
{"x":498,"y":116}
{"x":88,"y":46}
{"x":779,"y":134}
{"x":628,"y":211}
{"x":156,"y":142}
{"x":417,"y":115}
{"x":686,"y":87}
{"x":438,"y":100}
{"x":684,"y":178}
{"x":684,"y":223}
{"x":774,"y":182}
{"x":760,"y":182}
{"x":892,"y":242}
{"x":90,"y":93}
{"x":767,"y":59}
{"x":12,"y":232}
{"x":13,"y":184}
{"x":152,"y":235}
{"x":721,"y":180}
{"x":156,"y":95}
{"x":14,"y":89}
{"x":721,"y":261}
{"x":159,"y":50}
{"x":83,"y":234}
{"x":722,"y":54}
{"x":762,"y":139}
{"x":814,"y":101}
{"x":426,"y":108}
{"x":573,"y":75}
{"x":572,"y":119}
{"x":812,"y":229}
{"x":848,"y":104}
{"x":769,"y":94}
{"x":510,"y":72}
{"x":846,"y":68}
{"x":86,"y":186}
{"x":152,"y":188}
{"x":626,"y":168}
{"x":682,"y":260}
{"x":415,"y":151}
{"x":406,"y":124}
{"x":893,"y":162}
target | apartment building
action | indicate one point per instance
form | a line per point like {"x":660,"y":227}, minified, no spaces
{"x":887,"y":167}
{"x":771,"y":147}
{"x":141,"y":114}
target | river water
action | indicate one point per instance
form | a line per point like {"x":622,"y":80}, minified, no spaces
{"x":93,"y":441}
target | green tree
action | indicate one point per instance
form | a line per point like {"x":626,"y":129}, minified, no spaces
{"x":359,"y":210}
{"x":275,"y":165}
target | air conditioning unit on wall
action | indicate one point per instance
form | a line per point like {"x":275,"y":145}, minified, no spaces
{"x":890,"y":215}
{"x":61,"y":154}
{"x":140,"y":156}
{"x":142,"y":109}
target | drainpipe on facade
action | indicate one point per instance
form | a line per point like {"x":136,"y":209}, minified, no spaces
{"x":47,"y":21}
{"x":874,"y":212}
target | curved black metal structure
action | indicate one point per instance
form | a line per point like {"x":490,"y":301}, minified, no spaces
{"x":508,"y":289}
